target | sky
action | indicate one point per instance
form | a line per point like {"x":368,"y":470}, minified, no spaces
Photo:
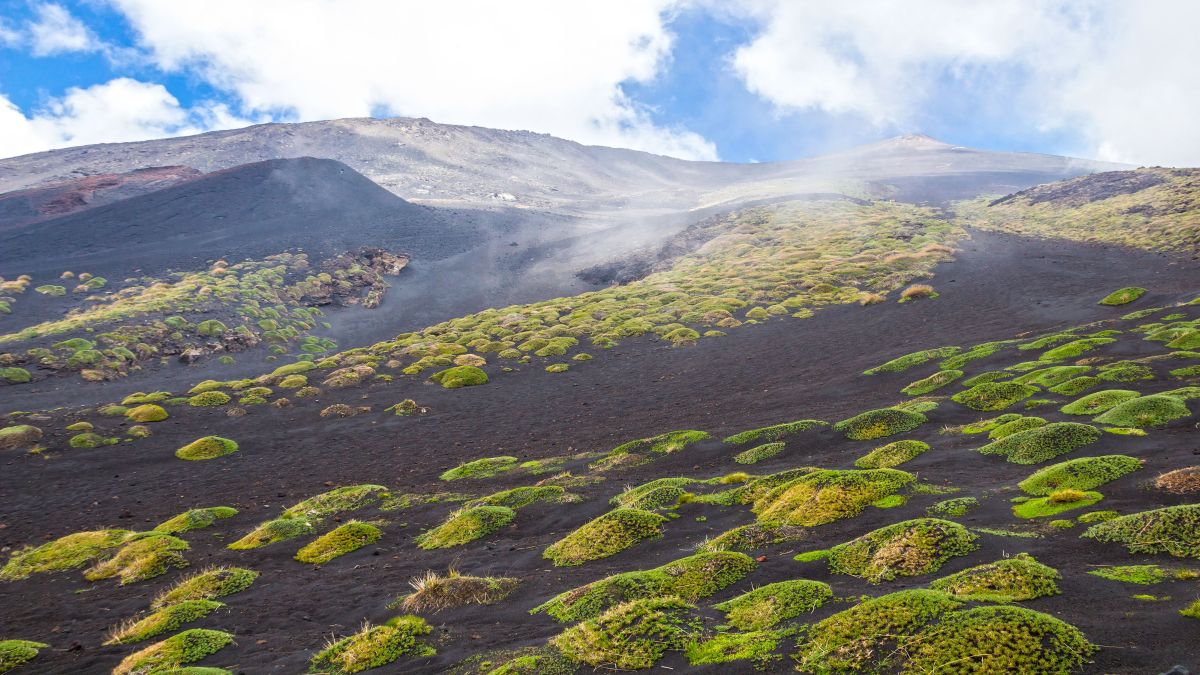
{"x":734,"y":80}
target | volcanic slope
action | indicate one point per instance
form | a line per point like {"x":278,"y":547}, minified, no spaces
{"x":1023,"y":315}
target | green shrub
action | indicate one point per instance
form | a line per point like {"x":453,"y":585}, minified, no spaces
{"x":460,"y":376}
{"x":1147,"y":411}
{"x":1085,"y":473}
{"x":209,"y":447}
{"x":161,"y":621}
{"x":880,"y":423}
{"x":374,"y":646}
{"x":759,"y":453}
{"x":1014,"y":579}
{"x":932,"y":383}
{"x":1043,"y":443}
{"x":215,"y":582}
{"x":209,"y":399}
{"x":177,"y":650}
{"x":346,"y":538}
{"x":273,"y":531}
{"x":994,"y":395}
{"x":1098,"y":402}
{"x":64,"y":553}
{"x":482,"y":468}
{"x":907,"y":548}
{"x":768,"y":605}
{"x":1123,"y":296}
{"x":604,"y":536}
{"x":689,"y":579}
{"x":1174,"y":530}
{"x":17,"y":652}
{"x":195,"y":519}
{"x":774,"y":432}
{"x":466,"y":525}
{"x":892,"y":454}
{"x":824,"y":496}
{"x":632,"y":635}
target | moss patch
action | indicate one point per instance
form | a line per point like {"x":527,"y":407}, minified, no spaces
{"x":19,"y":436}
{"x":177,"y":650}
{"x":195,"y":519}
{"x":520,"y":497}
{"x":757,"y":646}
{"x":768,"y":605}
{"x":892,"y":454}
{"x":1076,"y":385}
{"x":759,"y":453}
{"x":1100,"y":401}
{"x":209,"y":399}
{"x":824,"y":496}
{"x":17,"y":652}
{"x":273,"y":531}
{"x":64,"y":553}
{"x":932,"y":383}
{"x":643,"y":450}
{"x":1056,"y":502}
{"x":337,"y":500}
{"x":374,"y":646}
{"x":1174,"y":530}
{"x":907,"y":361}
{"x":345,"y":538}
{"x":1020,"y":424}
{"x":604,"y":536}
{"x":1146,"y":411}
{"x":1123,"y":296}
{"x":879,"y":423}
{"x":482,"y":468}
{"x":433,"y":592}
{"x":1084,"y":473}
{"x":144,"y":557}
{"x":209,"y":447}
{"x":908,"y":548}
{"x":1043,"y":443}
{"x":89,"y":439}
{"x":773,"y":432}
{"x":632,"y":635}
{"x":754,"y":536}
{"x":1000,"y":640}
{"x":466,"y":525}
{"x":215,"y":582}
{"x":691,"y":578}
{"x":161,"y":621}
{"x":147,"y":412}
{"x":959,"y":506}
{"x":460,"y":376}
{"x":1014,"y":579}
{"x":994,"y":395}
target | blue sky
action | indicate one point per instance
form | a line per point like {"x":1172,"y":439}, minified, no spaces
{"x":740,"y":81}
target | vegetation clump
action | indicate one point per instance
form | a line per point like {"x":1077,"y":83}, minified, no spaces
{"x":907,"y":361}
{"x":195,"y":519}
{"x":768,"y":605}
{"x":17,"y":652}
{"x":147,"y":412}
{"x":466,"y":525}
{"x":604,"y":536}
{"x":161,"y":621}
{"x":1123,"y":296}
{"x":753,"y":536}
{"x":482,"y":468}
{"x":1014,"y":579}
{"x":1076,"y":385}
{"x":632,"y":635}
{"x":520,"y":496}
{"x":14,"y":375}
{"x":64,"y":553}
{"x":209,"y":399}
{"x":174,"y":652}
{"x":823,"y":496}
{"x":1174,"y":530}
{"x":1015,"y":426}
{"x":932,"y":383}
{"x":954,"y":508}
{"x":460,"y":376}
{"x":1003,"y":639}
{"x":1099,"y":401}
{"x":759,"y":453}
{"x":994,"y":395}
{"x":1056,"y":502}
{"x":1142,"y":574}
{"x":642,"y":450}
{"x":1084,"y":473}
{"x":143,"y":557}
{"x":209,"y":447}
{"x":1043,"y":443}
{"x":433,"y":592}
{"x":1180,"y":481}
{"x":337,"y":500}
{"x":1147,"y":411}
{"x":273,"y":531}
{"x":215,"y":582}
{"x":374,"y":646}
{"x":1074,"y":348}
{"x":879,"y":423}
{"x":19,"y":436}
{"x":757,"y":646}
{"x":907,"y":548}
{"x":90,"y":439}
{"x":346,"y":538}
{"x":690,"y":579}
{"x":892,"y":454}
{"x":773,"y":432}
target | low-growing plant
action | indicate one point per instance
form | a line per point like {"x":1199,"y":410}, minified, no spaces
{"x":273,"y":531}
{"x":932,"y":383}
{"x":337,"y":500}
{"x":753,"y":536}
{"x":1123,"y":296}
{"x":460,"y":376}
{"x":345,"y":538}
{"x":632,"y":635}
{"x":1043,"y":443}
{"x":374,"y":646}
{"x":207,"y":584}
{"x":1014,"y":579}
{"x":1085,"y":473}
{"x":19,"y":436}
{"x":209,"y":447}
{"x":14,"y":653}
{"x":143,"y":557}
{"x":891,"y":455}
{"x":482,"y":468}
{"x":907,"y":548}
{"x":1056,"y":502}
{"x":1174,"y":530}
{"x":769,"y":605}
{"x":466,"y":525}
{"x":195,"y":519}
{"x":823,"y":496}
{"x":959,"y":506}
{"x":161,"y":621}
{"x":64,"y":553}
{"x":174,"y":652}
{"x":521,"y":496}
{"x":1180,"y":481}
{"x":1076,"y":385}
{"x":1155,"y":410}
{"x":604,"y":536}
{"x":433,"y":592}
{"x":1015,"y":426}
{"x":907,"y":361}
{"x":759,"y":453}
{"x":879,"y":423}
{"x":991,"y":396}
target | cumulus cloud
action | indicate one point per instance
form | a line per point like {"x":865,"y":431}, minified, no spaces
{"x":1122,"y":75}
{"x":544,"y":65}
{"x":55,"y":31}
{"x":119,"y":110}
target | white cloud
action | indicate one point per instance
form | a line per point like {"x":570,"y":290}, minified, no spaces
{"x":544,"y":65}
{"x":1120,"y":74}
{"x":55,"y":31}
{"x":118,"y":110}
